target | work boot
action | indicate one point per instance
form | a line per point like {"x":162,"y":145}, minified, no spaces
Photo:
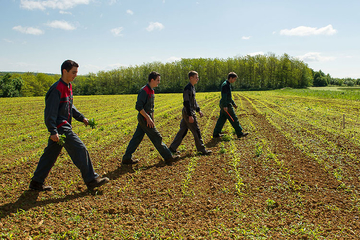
{"x":170,"y":161}
{"x":242,"y":134}
{"x":97,"y":182}
{"x":130,"y":161}
{"x":39,"y":186}
{"x":206,"y":152}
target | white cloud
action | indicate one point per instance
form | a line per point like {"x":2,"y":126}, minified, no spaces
{"x":117,"y":31}
{"x":112,"y":2}
{"x":246,"y":38}
{"x":315,"y":57}
{"x":307,"y":31}
{"x":54,"y":4}
{"x":7,"y":40}
{"x":129,"y":12}
{"x":28,"y":30}
{"x":173,"y":59}
{"x":63,"y":12}
{"x":61,"y":24}
{"x":255,"y":53}
{"x":155,"y":26}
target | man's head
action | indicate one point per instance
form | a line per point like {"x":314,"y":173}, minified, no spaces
{"x":232,"y":77}
{"x":154,"y":79}
{"x":193,"y":77}
{"x":69,"y":70}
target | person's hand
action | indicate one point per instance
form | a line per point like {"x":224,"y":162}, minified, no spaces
{"x":86,"y":121}
{"x":201,"y":114}
{"x":55,"y":137}
{"x":235,"y":106}
{"x":191,"y":119}
{"x":225,"y":109}
{"x":149,"y":122}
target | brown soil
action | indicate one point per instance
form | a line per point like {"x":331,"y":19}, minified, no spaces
{"x":297,"y":199}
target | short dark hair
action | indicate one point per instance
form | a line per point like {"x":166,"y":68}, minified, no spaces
{"x":192,"y":73}
{"x":68,"y":65}
{"x":232,"y":75}
{"x":153,"y":75}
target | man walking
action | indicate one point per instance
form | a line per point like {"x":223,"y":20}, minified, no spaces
{"x":227,"y":106}
{"x":146,"y":125}
{"x":189,"y":120}
{"x":59,"y":111}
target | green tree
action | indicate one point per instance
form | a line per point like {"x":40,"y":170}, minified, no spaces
{"x":10,"y":87}
{"x":320,"y":79}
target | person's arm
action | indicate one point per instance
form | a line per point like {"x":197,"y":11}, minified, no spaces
{"x":225,"y":101}
{"x":198,"y":109}
{"x":149,"y":122}
{"x":140,"y":103}
{"x":186,"y":96}
{"x":78,"y":116}
{"x":52,"y":102}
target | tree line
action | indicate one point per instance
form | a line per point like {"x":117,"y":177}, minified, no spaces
{"x":260,"y":72}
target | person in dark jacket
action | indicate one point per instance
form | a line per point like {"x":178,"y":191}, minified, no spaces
{"x":189,"y":120}
{"x":59,"y":111}
{"x":146,"y":125}
{"x":227,"y":106}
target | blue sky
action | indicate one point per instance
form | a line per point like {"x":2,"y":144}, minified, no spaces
{"x":38,"y":35}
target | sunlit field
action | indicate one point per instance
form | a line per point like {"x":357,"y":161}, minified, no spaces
{"x":295,"y":176}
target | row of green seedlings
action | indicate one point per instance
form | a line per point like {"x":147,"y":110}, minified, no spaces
{"x":300,"y":113}
{"x":261,"y":148}
{"x":185,"y":188}
{"x":331,"y":147}
{"x":337,"y":173}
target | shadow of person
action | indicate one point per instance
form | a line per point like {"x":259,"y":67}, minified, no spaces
{"x":120,"y":170}
{"x":28,"y":200}
{"x":213,"y":142}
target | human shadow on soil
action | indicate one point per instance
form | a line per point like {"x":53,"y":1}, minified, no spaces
{"x":123,"y":169}
{"x":28,"y":200}
{"x":213,"y":142}
{"x":120,"y":170}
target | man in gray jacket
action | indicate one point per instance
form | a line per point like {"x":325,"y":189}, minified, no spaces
{"x":189,"y":120}
{"x":146,"y":125}
{"x":59,"y":111}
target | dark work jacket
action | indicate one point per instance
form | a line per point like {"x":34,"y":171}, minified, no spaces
{"x":190,"y":103}
{"x":59,"y":108}
{"x":145,"y":99}
{"x":226,"y":98}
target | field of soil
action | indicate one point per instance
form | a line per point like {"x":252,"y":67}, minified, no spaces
{"x":295,"y":176}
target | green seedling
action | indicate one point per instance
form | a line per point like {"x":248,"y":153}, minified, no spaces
{"x":226,"y":138}
{"x":62,"y":138}
{"x":92,"y":123}
{"x":271,"y":204}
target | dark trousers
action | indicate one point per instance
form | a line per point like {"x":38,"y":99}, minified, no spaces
{"x":222,"y":119}
{"x":154,"y":136}
{"x":77,"y":151}
{"x":185,"y":125}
